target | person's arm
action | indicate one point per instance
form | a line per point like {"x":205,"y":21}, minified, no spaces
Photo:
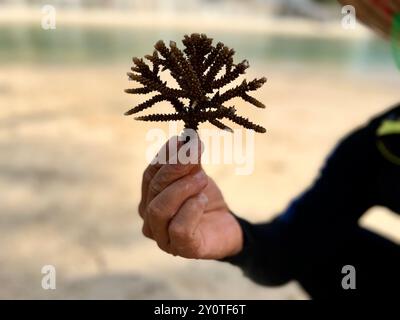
{"x":315,"y":222}
{"x":264,"y":257}
{"x":183,"y":210}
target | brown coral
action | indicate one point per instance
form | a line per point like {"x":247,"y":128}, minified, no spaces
{"x":195,"y":70}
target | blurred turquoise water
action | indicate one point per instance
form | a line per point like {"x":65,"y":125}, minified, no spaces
{"x":395,"y":39}
{"x":75,"y":45}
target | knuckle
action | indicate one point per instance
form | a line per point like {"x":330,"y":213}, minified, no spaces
{"x":147,"y":176}
{"x":155,"y":186}
{"x":167,"y":177}
{"x":178,"y":232}
{"x":195,"y":205}
{"x":200,"y":178}
{"x":192,"y":185}
{"x":146,"y":232}
{"x":188,"y":187}
{"x":163,"y":247}
{"x":191,"y":249}
{"x":154,"y":211}
{"x":176,"y":169}
{"x":199,"y":252}
{"x":162,"y":180}
{"x":141,"y":209}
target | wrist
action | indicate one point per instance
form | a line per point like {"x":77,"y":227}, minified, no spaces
{"x":243,"y":245}
{"x":238,"y":239}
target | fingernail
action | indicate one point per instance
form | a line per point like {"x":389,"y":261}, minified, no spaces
{"x":200,"y":176}
{"x":203,"y":198}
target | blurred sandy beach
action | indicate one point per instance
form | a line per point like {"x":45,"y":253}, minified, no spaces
{"x":71,"y":168}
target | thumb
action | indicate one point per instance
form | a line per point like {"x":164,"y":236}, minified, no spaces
{"x":191,"y":149}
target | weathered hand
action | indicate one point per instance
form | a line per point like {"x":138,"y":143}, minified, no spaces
{"x":184,"y":211}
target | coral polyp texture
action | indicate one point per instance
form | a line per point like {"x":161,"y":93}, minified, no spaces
{"x":202,"y":71}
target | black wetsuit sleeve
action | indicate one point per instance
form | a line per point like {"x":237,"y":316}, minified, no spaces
{"x":263,"y":257}
{"x":319,"y":231}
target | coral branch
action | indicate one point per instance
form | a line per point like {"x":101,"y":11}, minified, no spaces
{"x":253,"y":101}
{"x":220,"y":125}
{"x":231,"y":76}
{"x":244,"y":122}
{"x":138,"y":90}
{"x":195,"y":69}
{"x":147,"y":104}
{"x":160,"y":117}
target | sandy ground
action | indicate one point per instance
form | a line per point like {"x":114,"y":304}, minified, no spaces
{"x":71,"y":165}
